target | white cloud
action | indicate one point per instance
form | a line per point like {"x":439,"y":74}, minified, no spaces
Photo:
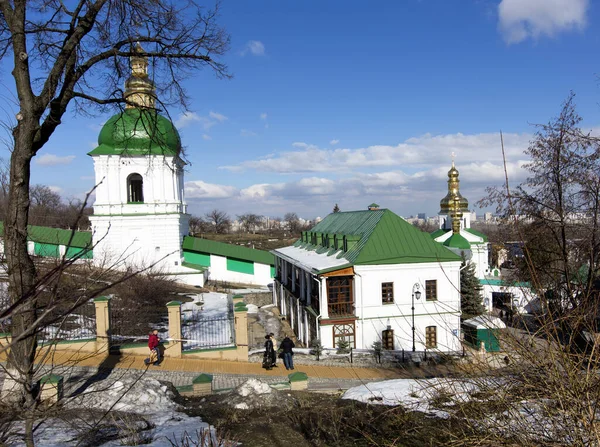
{"x":523,"y":19}
{"x":254,"y":47}
{"x":423,"y":151}
{"x":206,"y":137}
{"x":53,"y":160}
{"x":334,"y":142}
{"x":187,"y":118}
{"x":201,"y":190}
{"x":247,"y":133}
{"x":217,"y":116}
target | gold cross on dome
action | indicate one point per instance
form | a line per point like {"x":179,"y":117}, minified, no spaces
{"x":453,"y":157}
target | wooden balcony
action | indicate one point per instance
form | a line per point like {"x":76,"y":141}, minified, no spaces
{"x":341,"y":309}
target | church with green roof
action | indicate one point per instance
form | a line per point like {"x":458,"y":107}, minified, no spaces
{"x":361,"y":277}
{"x":140,"y":215}
{"x":455,"y":230}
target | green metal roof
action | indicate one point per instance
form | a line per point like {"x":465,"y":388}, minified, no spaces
{"x":138,"y":132}
{"x":457,"y":241}
{"x":57,"y":236}
{"x":477,"y":233}
{"x":228,"y":250}
{"x":439,"y":232}
{"x":500,"y":282}
{"x":383,"y":238}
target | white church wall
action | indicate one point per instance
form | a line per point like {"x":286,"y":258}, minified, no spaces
{"x":443,"y":313}
{"x":262,"y":274}
{"x":480,"y":258}
{"x":524,"y":300}
{"x":139,"y":240}
{"x":191,"y":278}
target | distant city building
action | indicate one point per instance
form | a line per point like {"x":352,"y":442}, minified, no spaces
{"x":422,"y":216}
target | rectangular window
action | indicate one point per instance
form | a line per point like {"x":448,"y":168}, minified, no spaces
{"x":431,"y":337}
{"x":431,"y":290}
{"x":387,"y":292}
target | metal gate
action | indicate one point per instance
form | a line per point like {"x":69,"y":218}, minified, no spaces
{"x":200,"y":331}
{"x":132,"y":324}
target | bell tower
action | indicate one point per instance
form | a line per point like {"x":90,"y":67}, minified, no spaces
{"x":140,"y":215}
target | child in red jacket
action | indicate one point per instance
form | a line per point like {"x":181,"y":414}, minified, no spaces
{"x":153,"y":342}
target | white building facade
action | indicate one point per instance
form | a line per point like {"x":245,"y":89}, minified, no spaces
{"x":356,"y":275}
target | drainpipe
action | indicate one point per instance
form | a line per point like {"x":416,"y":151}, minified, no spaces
{"x":362,"y":305}
{"x":320,"y":304}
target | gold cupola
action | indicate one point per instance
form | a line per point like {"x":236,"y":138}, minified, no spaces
{"x":139,"y":88}
{"x":447,"y":204}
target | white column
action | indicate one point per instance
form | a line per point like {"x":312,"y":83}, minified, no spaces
{"x":323,"y":299}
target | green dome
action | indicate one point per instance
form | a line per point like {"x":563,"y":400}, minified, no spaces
{"x":138,"y":132}
{"x":457,"y":241}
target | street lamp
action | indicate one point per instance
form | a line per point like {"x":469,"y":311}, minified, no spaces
{"x":416,"y":293}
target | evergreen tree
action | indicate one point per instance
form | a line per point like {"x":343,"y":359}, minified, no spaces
{"x":471,"y":301}
{"x":336,"y":208}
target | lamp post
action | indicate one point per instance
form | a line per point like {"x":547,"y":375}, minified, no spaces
{"x":416,"y":293}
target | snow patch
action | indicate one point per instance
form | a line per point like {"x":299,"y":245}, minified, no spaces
{"x":253,"y":386}
{"x":143,"y":396}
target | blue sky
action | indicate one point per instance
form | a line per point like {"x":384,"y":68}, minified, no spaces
{"x":350,"y":103}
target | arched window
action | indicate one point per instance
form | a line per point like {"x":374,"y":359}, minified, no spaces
{"x":135,"y":189}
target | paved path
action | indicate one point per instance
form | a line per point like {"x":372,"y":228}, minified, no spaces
{"x":77,"y":367}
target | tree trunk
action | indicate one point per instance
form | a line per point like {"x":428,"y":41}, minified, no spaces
{"x":21,"y":270}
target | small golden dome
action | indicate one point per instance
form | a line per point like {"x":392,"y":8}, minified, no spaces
{"x":447,"y":203}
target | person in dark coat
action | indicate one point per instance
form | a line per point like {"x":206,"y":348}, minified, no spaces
{"x":269,"y":353}
{"x":288,"y":354}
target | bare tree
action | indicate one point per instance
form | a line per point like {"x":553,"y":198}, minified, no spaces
{"x":275,"y":223}
{"x":557,"y":208}
{"x":544,"y":388}
{"x":198,"y":225}
{"x":219,"y":221}
{"x":292,"y":221}
{"x":45,"y":203}
{"x":77,"y":54}
{"x":249,"y":222}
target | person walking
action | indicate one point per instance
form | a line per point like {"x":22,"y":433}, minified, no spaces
{"x":275,"y":347}
{"x":288,"y":354}
{"x":269,"y":353}
{"x":153,"y":345}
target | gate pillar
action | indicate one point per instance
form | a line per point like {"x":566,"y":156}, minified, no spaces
{"x":175,"y":343}
{"x":102,"y":305}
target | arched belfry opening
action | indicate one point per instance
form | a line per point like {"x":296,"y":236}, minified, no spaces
{"x":135,"y":189}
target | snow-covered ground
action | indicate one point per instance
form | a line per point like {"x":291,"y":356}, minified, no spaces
{"x":145,"y":397}
{"x":413,"y":394}
{"x":530,"y":420}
